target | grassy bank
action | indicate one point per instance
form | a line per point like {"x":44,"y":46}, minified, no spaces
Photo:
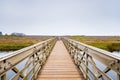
{"x":12,"y":43}
{"x":109,"y":43}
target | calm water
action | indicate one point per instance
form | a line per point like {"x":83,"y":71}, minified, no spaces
{"x":116,"y":53}
{"x":4,"y":53}
{"x":98,"y":64}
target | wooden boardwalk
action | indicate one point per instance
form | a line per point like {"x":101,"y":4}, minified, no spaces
{"x":59,"y":66}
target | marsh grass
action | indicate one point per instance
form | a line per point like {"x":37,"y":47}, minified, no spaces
{"x":109,"y":43}
{"x":114,"y":47}
{"x":12,"y":43}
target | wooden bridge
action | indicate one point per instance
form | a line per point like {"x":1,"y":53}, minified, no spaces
{"x":64,"y":59}
{"x":59,"y":66}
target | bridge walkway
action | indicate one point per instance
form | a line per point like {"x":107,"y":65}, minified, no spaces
{"x":59,"y":65}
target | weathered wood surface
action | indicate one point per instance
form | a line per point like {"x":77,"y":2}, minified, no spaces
{"x":59,"y":66}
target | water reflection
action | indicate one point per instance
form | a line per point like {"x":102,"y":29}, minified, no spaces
{"x":5,"y":53}
{"x":116,"y":53}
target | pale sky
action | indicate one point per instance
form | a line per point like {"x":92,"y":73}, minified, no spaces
{"x":60,"y":17}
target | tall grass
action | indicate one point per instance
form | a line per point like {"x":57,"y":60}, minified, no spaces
{"x":11,"y":43}
{"x":109,"y":43}
{"x":114,"y":47}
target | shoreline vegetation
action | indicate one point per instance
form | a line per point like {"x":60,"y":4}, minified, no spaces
{"x":109,"y":43}
{"x":12,"y":43}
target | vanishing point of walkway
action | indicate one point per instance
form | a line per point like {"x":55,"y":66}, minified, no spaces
{"x":59,"y":66}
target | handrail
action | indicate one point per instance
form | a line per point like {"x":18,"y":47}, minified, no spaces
{"x":33,"y":58}
{"x":87,"y":57}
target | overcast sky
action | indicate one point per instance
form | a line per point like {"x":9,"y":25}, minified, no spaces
{"x":60,"y":17}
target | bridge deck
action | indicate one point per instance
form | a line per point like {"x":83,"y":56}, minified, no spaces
{"x":59,"y":66}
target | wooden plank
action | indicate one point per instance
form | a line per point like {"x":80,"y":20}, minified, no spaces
{"x":59,"y":66}
{"x":59,"y":79}
{"x":60,"y":76}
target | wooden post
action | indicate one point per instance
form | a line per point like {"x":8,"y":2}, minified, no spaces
{"x":3,"y":77}
{"x":118,"y":77}
{"x":86,"y":66}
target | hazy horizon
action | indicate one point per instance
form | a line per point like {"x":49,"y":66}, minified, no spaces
{"x":60,"y":17}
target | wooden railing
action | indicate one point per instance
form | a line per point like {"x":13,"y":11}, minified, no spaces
{"x":25,"y":64}
{"x":95,"y":64}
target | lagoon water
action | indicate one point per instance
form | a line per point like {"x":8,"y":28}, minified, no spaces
{"x":116,"y":53}
{"x":4,"y":53}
